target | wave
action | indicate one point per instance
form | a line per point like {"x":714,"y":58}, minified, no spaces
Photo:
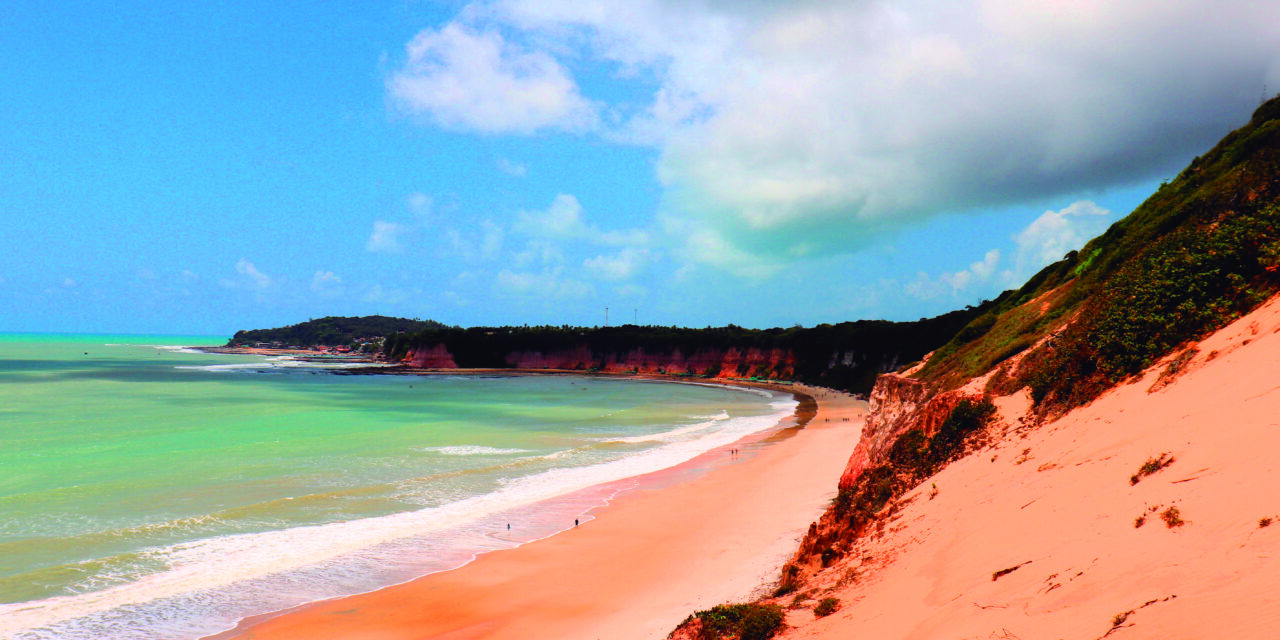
{"x":711,"y":421}
{"x":207,"y":585}
{"x":471,"y":450}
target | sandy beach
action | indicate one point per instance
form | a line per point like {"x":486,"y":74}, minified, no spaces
{"x":682,"y":542}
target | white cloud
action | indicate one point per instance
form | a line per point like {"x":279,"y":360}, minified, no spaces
{"x":792,"y":130}
{"x":619,"y":266}
{"x":511,"y":168}
{"x":539,"y":251}
{"x":484,"y":244}
{"x":251,"y":273}
{"x":470,"y":79}
{"x":977,"y":272}
{"x":1055,"y":233}
{"x":959,"y":284}
{"x":385,"y":237}
{"x":562,"y":219}
{"x":324,"y":280}
{"x":549,"y":284}
{"x":420,"y":205}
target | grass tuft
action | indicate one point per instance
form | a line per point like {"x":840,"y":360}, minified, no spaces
{"x":1150,"y":467}
{"x":826,"y":607}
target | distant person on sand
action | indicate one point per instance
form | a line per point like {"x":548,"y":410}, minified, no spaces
{"x":575,"y":522}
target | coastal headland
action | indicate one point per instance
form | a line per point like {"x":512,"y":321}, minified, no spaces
{"x":712,"y":530}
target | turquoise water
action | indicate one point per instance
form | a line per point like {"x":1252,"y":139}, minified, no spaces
{"x":154,"y":492}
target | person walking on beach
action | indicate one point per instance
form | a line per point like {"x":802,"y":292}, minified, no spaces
{"x":575,"y":522}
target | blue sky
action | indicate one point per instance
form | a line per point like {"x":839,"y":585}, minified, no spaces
{"x":219,"y":166}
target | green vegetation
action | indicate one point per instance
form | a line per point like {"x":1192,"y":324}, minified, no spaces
{"x":332,"y":330}
{"x":1200,"y":252}
{"x":1172,"y":517}
{"x":740,"y":621}
{"x":1152,"y":465}
{"x":826,"y":607}
{"x":912,"y":458}
{"x":845,"y":356}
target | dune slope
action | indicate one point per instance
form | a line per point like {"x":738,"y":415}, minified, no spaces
{"x":1046,"y":534}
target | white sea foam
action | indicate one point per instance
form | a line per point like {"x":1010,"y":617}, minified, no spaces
{"x":280,"y":363}
{"x":710,"y":422}
{"x":172,"y":348}
{"x":211,"y":583}
{"x":471,"y":450}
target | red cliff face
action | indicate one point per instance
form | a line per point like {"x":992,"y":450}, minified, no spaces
{"x":897,"y":405}
{"x":437,"y":357}
{"x":772,"y":363}
{"x":574,"y":359}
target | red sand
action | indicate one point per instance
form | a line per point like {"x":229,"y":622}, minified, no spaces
{"x":646,"y":561}
{"x":1056,"y":503}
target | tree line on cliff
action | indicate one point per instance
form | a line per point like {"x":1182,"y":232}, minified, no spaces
{"x":848,"y":355}
{"x":331,"y":330}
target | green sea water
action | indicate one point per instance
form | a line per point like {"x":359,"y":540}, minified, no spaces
{"x":148,"y":491}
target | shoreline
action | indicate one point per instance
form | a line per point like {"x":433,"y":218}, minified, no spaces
{"x":638,"y":514}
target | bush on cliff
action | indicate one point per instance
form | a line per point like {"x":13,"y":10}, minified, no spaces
{"x":740,"y":621}
{"x":966,"y":418}
{"x":1191,"y":282}
{"x":912,"y":458}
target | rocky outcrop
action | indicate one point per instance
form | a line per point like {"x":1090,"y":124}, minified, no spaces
{"x":897,"y":404}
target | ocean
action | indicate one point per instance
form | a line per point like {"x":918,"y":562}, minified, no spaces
{"x":149,"y":491}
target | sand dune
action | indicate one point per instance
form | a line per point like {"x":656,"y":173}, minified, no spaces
{"x":1053,"y":508}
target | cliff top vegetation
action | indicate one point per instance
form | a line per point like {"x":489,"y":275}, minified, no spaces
{"x":332,"y":330}
{"x":1201,"y":251}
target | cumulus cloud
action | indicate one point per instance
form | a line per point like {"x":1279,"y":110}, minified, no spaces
{"x":980,"y":271}
{"x":619,"y":266}
{"x":792,"y":130}
{"x":979,"y":274}
{"x":474,"y":79}
{"x":324,"y":281}
{"x":385,"y":237}
{"x":563,"y":219}
{"x":548,"y":284}
{"x":252,"y":275}
{"x":1055,"y":233}
{"x":483,"y":244}
{"x":513,"y":169}
{"x":420,"y":204}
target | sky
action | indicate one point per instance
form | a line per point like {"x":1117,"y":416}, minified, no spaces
{"x":201,"y":167}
